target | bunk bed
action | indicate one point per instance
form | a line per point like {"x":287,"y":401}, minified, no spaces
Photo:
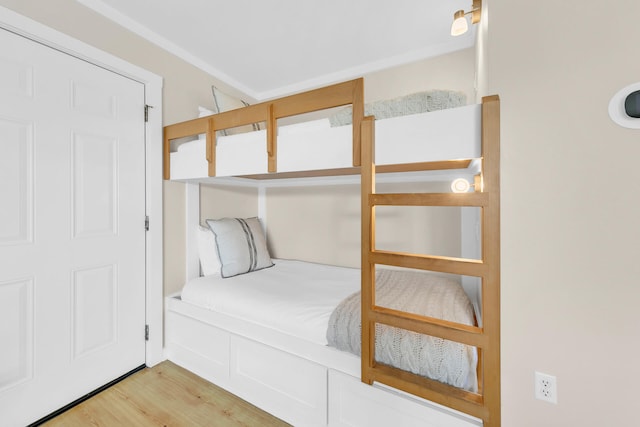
{"x":286,"y":367}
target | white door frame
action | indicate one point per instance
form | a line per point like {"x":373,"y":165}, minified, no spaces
{"x":38,"y":32}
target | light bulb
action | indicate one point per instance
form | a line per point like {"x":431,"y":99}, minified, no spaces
{"x":460,"y":185}
{"x":459,"y":25}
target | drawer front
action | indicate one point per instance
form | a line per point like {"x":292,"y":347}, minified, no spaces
{"x":291,"y":388}
{"x":201,"y":348}
{"x":353,"y":403}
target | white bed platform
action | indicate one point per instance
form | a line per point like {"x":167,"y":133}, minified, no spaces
{"x":427,"y":137}
{"x":306,"y":384}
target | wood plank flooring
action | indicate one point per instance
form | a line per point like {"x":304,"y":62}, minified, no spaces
{"x":166,"y":396}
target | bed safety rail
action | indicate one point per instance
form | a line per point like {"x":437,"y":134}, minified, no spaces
{"x":347,"y":93}
{"x":485,"y":404}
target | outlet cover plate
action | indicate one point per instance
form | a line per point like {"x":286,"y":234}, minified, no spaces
{"x":546,"y":387}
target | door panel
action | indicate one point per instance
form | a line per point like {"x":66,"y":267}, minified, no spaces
{"x":16,"y":328}
{"x":16,"y":185}
{"x":94,"y":309}
{"x":72,"y":237}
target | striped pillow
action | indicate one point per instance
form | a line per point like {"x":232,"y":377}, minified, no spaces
{"x":242,"y":247}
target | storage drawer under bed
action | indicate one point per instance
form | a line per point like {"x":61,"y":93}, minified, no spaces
{"x":287,"y":386}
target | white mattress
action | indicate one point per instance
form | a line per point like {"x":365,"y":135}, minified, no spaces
{"x":276,"y":297}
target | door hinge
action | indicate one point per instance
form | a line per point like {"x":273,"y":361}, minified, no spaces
{"x":146,"y":332}
{"x":146,"y":112}
{"x":146,"y":223}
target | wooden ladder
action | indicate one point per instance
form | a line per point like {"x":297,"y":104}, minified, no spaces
{"x":485,"y":404}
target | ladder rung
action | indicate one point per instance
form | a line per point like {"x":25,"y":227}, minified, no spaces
{"x":452,"y":331}
{"x":435,"y":391}
{"x":429,"y":199}
{"x":463,"y":266}
{"x":424,"y":166}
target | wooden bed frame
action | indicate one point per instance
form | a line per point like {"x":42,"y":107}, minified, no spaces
{"x":351,"y":92}
{"x":253,"y":362}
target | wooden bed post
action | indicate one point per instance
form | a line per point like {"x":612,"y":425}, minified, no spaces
{"x":368,"y":187}
{"x":211,"y":147}
{"x":491,"y":257}
{"x":166,"y":155}
{"x":357,"y":112}
{"x":272,"y":140}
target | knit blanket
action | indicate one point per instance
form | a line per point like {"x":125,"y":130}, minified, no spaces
{"x":419,"y":293}
{"x":420,"y":102}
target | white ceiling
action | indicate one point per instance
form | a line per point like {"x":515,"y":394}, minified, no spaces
{"x":270,"y":48}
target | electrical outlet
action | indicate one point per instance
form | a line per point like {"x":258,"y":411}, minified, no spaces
{"x":546,"y":387}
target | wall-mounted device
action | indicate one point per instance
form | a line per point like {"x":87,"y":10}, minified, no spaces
{"x":632,"y":104}
{"x":624,"y":107}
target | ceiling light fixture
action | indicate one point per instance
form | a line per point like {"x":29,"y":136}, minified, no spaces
{"x":459,"y":25}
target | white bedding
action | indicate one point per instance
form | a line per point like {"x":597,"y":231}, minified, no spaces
{"x":267,"y":296}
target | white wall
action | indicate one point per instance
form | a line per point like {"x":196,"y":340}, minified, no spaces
{"x":322,"y":223}
{"x":454,"y":71}
{"x":570,"y":233}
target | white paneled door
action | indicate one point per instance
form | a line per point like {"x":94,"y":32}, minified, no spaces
{"x":72,"y":228}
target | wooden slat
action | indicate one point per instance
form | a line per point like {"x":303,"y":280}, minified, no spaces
{"x":166,"y":153}
{"x":491,"y":255}
{"x":242,"y":116}
{"x":480,"y":371}
{"x":424,"y":166}
{"x":435,"y":391}
{"x":357,"y":117}
{"x":303,"y":174}
{"x":318,"y":99}
{"x":368,"y":239}
{"x":272,"y":141}
{"x":458,"y":332}
{"x":189,"y":128}
{"x":211,"y":147}
{"x":380,"y":169}
{"x":430,"y":199}
{"x":442,"y":264}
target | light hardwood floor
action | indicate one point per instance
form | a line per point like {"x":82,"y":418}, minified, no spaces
{"x":165,"y":395}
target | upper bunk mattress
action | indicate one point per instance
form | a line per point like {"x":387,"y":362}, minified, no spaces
{"x":293,"y":297}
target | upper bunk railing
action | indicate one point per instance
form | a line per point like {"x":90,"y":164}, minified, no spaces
{"x":485,"y":404}
{"x":347,"y":93}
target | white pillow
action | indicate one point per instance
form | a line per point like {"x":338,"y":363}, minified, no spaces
{"x":223,"y":102}
{"x":241,"y":245}
{"x":204,"y":111}
{"x":208,"y":252}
